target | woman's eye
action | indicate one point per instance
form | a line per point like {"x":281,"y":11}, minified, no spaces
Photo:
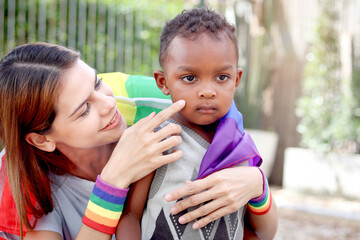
{"x":98,"y":84}
{"x":222,"y":78}
{"x":87,"y":110}
{"x":189,"y":78}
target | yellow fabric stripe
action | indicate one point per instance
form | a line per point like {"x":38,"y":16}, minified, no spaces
{"x":262,"y":208}
{"x":117,"y":80}
{"x":103,"y":212}
{"x":100,"y":219}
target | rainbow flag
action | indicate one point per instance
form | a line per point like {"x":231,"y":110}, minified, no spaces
{"x":137,"y":96}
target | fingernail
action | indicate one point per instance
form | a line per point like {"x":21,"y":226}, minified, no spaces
{"x":182,"y":220}
{"x":173,"y":210}
{"x":195,"y":226}
{"x":168,"y":197}
{"x":151,"y":115}
{"x":182,"y":102}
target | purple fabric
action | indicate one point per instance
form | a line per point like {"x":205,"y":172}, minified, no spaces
{"x":230,"y":146}
{"x":110,"y":189}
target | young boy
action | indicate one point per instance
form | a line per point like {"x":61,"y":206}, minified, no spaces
{"x":199,"y":56}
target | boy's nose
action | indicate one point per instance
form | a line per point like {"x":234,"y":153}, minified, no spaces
{"x":207,"y":93}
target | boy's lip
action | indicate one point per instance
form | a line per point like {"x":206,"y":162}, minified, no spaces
{"x":207,"y":109}
{"x":115,"y":120}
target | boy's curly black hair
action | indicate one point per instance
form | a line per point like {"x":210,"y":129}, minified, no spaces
{"x":191,"y":23}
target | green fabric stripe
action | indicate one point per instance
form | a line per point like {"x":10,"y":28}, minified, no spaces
{"x":260,"y":204}
{"x":105,"y":204}
{"x":143,"y":86}
{"x":142,"y":112}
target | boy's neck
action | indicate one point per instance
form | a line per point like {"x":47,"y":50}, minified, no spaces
{"x":207,"y":132}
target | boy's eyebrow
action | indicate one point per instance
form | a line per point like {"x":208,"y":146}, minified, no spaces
{"x":226,"y":67}
{"x":185,"y":68}
{"x":222,"y":68}
{"x":82,"y":104}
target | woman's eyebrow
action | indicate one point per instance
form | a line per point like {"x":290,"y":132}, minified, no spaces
{"x":95,"y":76}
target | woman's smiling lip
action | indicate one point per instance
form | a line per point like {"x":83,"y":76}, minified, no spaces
{"x":113,"y":122}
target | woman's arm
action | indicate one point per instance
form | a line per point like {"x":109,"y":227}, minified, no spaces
{"x":140,"y":149}
{"x":87,"y":233}
{"x":229,"y":189}
{"x":34,"y":235}
{"x":129,"y":226}
{"x":137,"y":154}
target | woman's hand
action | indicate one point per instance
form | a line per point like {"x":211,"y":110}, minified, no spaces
{"x":229,"y":190}
{"x":140,"y":149}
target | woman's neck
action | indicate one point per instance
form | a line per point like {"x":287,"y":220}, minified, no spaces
{"x":88,"y":162}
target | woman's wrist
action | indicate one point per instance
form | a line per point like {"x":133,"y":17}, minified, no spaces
{"x":261,"y":204}
{"x":105,"y":207}
{"x":253,"y":181}
{"x":256,"y":180}
{"x":110,"y":178}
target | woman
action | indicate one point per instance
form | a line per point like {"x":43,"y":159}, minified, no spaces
{"x":61,"y":129}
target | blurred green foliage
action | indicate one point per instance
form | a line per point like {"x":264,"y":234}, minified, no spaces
{"x":255,"y":60}
{"x":112,"y":35}
{"x":329,"y":113}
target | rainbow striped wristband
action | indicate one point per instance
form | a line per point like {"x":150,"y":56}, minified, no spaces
{"x":262,"y":204}
{"x":105,"y":207}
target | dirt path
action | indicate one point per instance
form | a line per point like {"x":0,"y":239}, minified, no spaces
{"x":303,"y":217}
{"x":296,"y":225}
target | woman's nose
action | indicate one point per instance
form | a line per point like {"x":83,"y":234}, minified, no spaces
{"x":207,"y":93}
{"x":105,"y":103}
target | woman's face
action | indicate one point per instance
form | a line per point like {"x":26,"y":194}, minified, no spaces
{"x":87,"y":115}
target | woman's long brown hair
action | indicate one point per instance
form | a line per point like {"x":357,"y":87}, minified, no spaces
{"x":30,"y":81}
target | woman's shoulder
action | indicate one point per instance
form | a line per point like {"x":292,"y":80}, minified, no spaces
{"x":70,"y":185}
{"x":70,"y":195}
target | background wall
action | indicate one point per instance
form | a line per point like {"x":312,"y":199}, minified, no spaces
{"x":275,"y":39}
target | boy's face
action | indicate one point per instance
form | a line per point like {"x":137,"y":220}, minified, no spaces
{"x":204,"y":73}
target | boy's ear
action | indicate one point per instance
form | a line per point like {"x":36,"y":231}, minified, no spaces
{"x":239,"y":72}
{"x":161,"y":81}
{"x":40,"y":141}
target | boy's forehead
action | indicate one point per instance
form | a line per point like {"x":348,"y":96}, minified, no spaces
{"x":199,"y":39}
{"x":189,"y":52}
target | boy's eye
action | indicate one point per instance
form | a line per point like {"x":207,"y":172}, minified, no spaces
{"x":222,"y":78}
{"x":189,"y":78}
